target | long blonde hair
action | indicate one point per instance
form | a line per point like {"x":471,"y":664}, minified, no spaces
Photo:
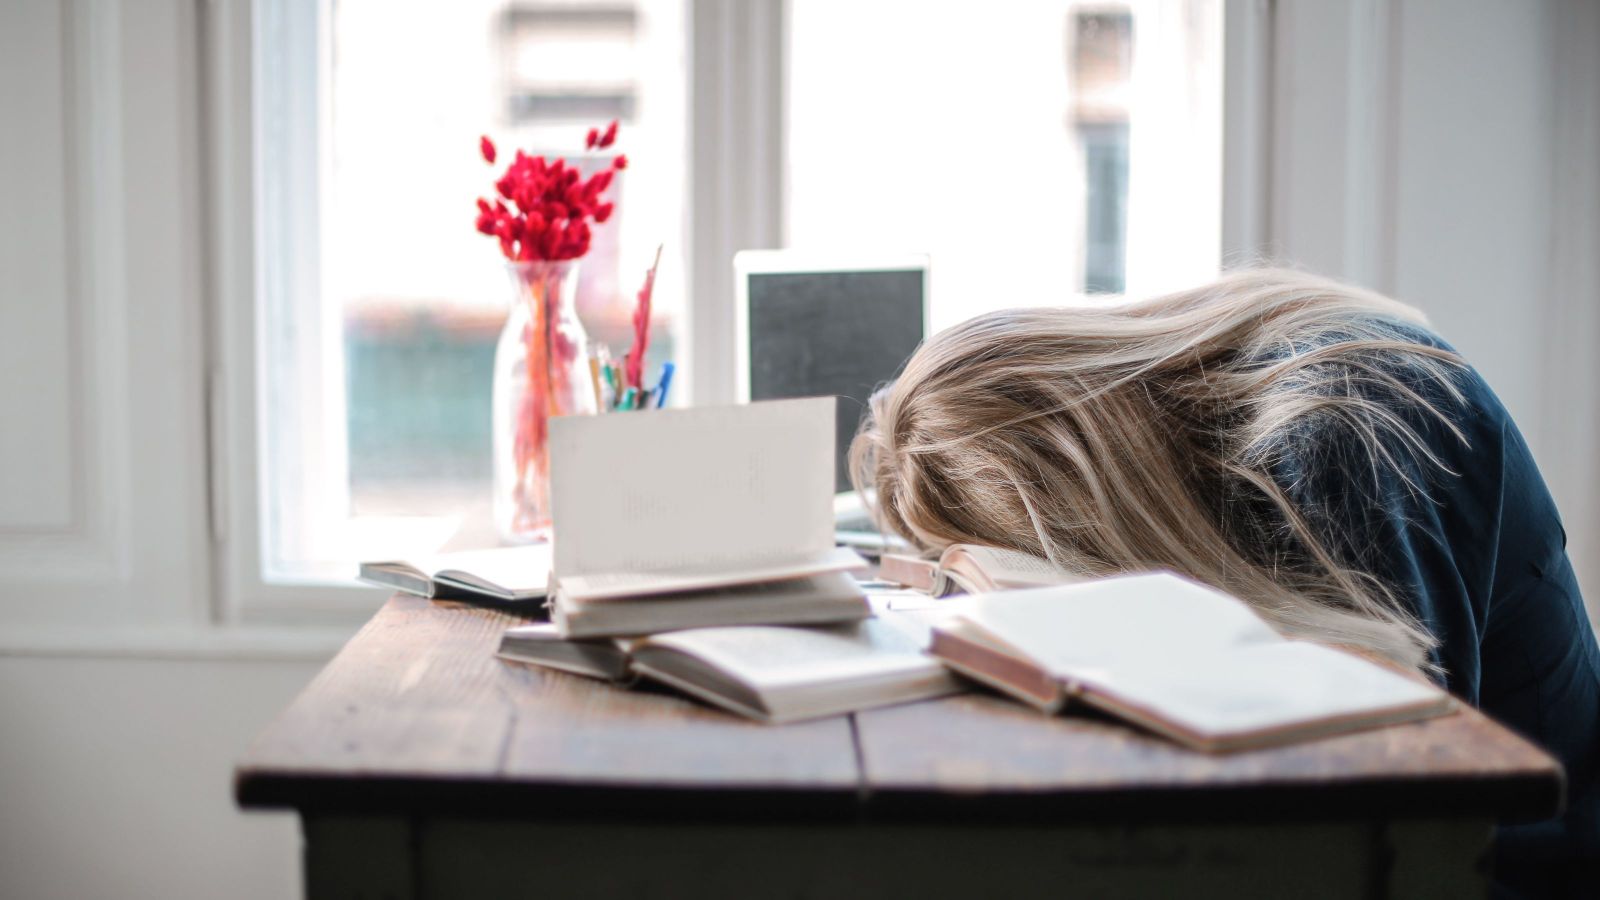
{"x":1146,"y":436}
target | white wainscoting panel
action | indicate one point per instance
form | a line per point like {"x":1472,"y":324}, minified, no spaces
{"x":102,"y":453}
{"x":41,"y":309}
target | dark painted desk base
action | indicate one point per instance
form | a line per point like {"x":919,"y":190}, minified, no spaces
{"x":398,"y":858}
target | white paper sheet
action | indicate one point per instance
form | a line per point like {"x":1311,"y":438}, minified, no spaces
{"x":715,"y":487}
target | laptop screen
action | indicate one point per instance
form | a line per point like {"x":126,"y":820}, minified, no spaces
{"x":843,"y":333}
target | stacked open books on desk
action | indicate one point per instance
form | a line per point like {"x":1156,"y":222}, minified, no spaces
{"x":695,"y":548}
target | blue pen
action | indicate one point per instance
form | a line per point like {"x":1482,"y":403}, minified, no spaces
{"x":663,"y":383}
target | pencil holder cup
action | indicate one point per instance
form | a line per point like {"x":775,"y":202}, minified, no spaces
{"x":540,"y":371}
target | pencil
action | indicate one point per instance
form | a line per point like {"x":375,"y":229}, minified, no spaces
{"x":594,"y":379}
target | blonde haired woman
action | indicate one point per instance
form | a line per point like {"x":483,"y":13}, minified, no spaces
{"x":1307,"y":446}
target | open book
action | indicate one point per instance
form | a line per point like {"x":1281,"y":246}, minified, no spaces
{"x":513,"y":577}
{"x":669,"y":519}
{"x":1177,"y":658}
{"x":972,"y":569}
{"x":770,"y":673}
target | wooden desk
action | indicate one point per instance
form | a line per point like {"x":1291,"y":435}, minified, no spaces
{"x":424,"y":767}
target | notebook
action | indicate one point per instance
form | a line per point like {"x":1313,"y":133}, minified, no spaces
{"x":1177,"y":658}
{"x":669,"y":519}
{"x":770,"y":673}
{"x":515,"y":577}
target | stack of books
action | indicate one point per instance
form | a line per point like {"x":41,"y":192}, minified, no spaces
{"x":695,"y":548}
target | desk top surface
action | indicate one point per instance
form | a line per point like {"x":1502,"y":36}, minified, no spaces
{"x":417,"y":715}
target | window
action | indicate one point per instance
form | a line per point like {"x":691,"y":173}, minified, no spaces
{"x":382,"y":305}
{"x":1040,"y":152}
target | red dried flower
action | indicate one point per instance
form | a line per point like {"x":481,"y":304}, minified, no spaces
{"x":486,"y":147}
{"x":633,"y":363}
{"x":551,"y":203}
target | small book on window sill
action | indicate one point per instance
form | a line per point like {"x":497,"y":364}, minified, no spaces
{"x":972,"y":569}
{"x":1176,"y":658}
{"x":673,"y":519}
{"x":515,"y":578}
{"x":773,"y":674}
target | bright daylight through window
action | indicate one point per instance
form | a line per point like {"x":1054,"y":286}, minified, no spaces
{"x":1039,"y":152}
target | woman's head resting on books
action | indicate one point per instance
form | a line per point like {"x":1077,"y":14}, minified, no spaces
{"x":1146,"y":436}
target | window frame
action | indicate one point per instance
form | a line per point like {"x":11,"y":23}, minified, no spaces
{"x":263,"y":162}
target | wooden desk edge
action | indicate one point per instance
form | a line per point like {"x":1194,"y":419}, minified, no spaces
{"x":1526,"y":796}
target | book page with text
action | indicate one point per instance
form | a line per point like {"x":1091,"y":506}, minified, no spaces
{"x":664,"y":490}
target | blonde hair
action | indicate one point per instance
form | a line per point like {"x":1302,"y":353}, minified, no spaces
{"x":1146,"y":436}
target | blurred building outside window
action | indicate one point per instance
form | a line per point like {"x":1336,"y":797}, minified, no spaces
{"x":1041,"y":153}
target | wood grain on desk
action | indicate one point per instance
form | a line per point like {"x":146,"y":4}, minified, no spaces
{"x":417,"y":713}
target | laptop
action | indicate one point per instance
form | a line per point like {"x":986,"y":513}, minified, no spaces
{"x":812,"y":324}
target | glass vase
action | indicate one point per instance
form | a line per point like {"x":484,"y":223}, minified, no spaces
{"x":541,"y":370}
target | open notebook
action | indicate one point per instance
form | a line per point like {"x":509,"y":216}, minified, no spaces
{"x":972,"y":569}
{"x":668,"y":519}
{"x":770,"y":673}
{"x":513,"y":577}
{"x":1177,"y":658}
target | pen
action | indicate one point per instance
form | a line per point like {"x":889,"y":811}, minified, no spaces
{"x":628,"y":396}
{"x":664,"y":382}
{"x":614,"y":390}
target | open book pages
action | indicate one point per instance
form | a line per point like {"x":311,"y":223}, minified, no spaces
{"x":778,"y":674}
{"x":710,"y":489}
{"x":772,"y":673}
{"x":1178,"y":658}
{"x":500,"y":573}
{"x":813,"y":599}
{"x":542,"y":645}
{"x":972,"y":569}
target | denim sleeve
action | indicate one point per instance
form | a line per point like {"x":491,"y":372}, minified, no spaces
{"x":1472,"y":544}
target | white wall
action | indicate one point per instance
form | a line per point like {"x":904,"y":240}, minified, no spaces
{"x":1473,"y":209}
{"x":115,"y":770}
{"x":116,"y":778}
{"x":1413,"y":148}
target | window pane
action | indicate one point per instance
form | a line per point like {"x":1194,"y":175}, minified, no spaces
{"x":1039,"y":151}
{"x":412,"y":297}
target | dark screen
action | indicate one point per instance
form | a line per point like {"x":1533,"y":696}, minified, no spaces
{"x":840,"y":333}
